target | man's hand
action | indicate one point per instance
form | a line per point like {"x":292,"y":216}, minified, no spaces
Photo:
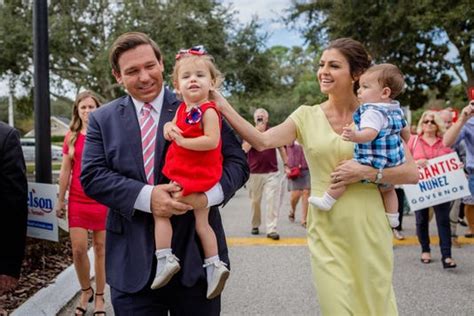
{"x":7,"y":283}
{"x":348,"y":134}
{"x":467,"y":112}
{"x":261,"y":126}
{"x":162,"y":204}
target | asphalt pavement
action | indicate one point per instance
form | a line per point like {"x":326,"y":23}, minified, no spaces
{"x":274,"y":277}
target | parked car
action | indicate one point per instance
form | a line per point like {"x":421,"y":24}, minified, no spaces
{"x":28,"y":147}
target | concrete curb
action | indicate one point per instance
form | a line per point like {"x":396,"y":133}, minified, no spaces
{"x":50,"y":300}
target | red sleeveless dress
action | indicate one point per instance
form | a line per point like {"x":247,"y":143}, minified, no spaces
{"x":195,"y":171}
{"x":83,"y":211}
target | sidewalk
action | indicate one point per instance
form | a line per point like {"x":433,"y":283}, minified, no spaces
{"x":274,"y":277}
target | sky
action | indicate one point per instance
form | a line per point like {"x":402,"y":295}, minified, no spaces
{"x":268,"y":12}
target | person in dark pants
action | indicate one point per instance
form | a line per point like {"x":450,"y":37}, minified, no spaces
{"x":397,"y":231}
{"x":13,"y":197}
{"x":425,"y":145}
{"x":113,"y":173}
{"x":441,"y":212}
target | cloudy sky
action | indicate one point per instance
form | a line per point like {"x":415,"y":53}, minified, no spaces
{"x":268,"y":11}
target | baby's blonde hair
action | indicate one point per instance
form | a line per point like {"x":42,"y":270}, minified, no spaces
{"x":216,"y":75}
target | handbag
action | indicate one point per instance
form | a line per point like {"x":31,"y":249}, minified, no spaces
{"x":294,"y":173}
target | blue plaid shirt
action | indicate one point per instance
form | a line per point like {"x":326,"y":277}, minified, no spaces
{"x":386,"y":150}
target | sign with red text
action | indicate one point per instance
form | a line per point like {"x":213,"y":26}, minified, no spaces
{"x":42,"y":220}
{"x":442,"y":180}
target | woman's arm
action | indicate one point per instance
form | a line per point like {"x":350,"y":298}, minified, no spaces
{"x":350,"y":171}
{"x":277,"y":136}
{"x":64,"y":176}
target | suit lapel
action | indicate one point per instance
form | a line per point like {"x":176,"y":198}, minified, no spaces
{"x":170,"y":104}
{"x":132,"y":134}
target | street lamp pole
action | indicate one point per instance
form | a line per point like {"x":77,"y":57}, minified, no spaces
{"x":41,"y":92}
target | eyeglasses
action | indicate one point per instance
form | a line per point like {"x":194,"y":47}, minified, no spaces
{"x":429,"y":122}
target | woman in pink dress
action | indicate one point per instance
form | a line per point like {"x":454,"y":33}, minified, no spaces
{"x":84,"y":214}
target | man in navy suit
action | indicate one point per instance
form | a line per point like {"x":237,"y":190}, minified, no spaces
{"x":113,"y":174}
{"x":14,"y":198}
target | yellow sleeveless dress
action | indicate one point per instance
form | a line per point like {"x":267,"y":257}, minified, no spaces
{"x":351,"y":245}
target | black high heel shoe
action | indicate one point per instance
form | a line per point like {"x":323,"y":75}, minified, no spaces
{"x":100,"y":312}
{"x":81,"y":310}
{"x":448,"y":263}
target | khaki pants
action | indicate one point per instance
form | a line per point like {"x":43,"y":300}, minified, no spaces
{"x":268,"y":185}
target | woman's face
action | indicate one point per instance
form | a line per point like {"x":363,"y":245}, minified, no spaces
{"x":84,"y":107}
{"x":334,"y":74}
{"x":429,"y":124}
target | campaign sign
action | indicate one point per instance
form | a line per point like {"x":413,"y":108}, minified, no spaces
{"x":42,"y":220}
{"x":442,"y":180}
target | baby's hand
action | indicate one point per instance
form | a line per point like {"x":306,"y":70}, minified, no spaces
{"x":170,"y":130}
{"x":348,"y":134}
{"x":178,"y":138}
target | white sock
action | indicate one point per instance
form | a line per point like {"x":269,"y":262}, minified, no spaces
{"x":210,"y":267}
{"x":393,"y":219}
{"x":161,"y":257}
{"x":324,"y":203}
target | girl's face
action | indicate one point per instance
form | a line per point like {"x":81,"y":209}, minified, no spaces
{"x":84,"y":107}
{"x":429,"y":124}
{"x":334,"y":74}
{"x":194,"y":81}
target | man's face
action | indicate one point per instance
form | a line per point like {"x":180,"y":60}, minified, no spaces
{"x":447,"y":118}
{"x":141,"y":73}
{"x":260,"y":118}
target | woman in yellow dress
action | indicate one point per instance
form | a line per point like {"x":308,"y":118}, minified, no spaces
{"x":351,"y":246}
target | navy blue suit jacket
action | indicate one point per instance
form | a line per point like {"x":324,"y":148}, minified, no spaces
{"x":113,"y":174}
{"x":14,"y":198}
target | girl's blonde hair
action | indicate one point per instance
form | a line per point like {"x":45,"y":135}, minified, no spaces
{"x":216,"y":75}
{"x":439,"y":123}
{"x":76,"y":122}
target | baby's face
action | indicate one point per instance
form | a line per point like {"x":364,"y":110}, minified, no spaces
{"x":370,"y":90}
{"x":194,"y":81}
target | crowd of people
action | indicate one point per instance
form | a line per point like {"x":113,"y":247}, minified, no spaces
{"x":147,"y":171}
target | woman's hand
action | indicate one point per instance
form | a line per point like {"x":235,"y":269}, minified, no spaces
{"x":220,"y":101}
{"x":60,"y":209}
{"x":422,"y":163}
{"x":350,"y":171}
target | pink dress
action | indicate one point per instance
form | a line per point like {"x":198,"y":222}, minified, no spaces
{"x":83,"y":211}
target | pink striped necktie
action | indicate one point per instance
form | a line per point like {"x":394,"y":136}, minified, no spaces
{"x":148,"y":131}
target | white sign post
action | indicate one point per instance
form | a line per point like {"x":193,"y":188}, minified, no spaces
{"x":42,"y":221}
{"x":442,"y":180}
